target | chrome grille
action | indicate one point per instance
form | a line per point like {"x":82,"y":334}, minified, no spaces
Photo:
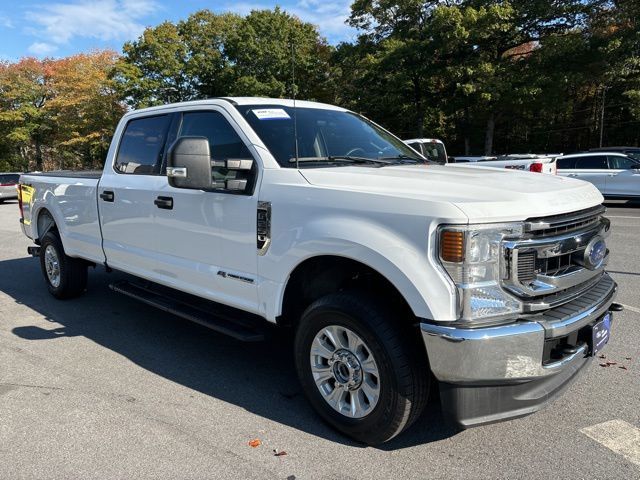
{"x":547,"y":261}
{"x":559,"y":224}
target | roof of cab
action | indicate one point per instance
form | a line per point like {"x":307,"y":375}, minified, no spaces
{"x":239,"y":101}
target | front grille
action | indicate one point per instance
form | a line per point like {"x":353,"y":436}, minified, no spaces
{"x":527,"y":267}
{"x":547,"y":261}
{"x":560,"y":224}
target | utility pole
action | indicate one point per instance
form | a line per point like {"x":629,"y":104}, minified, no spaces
{"x":604,"y":91}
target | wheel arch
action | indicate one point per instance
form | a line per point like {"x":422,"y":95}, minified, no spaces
{"x":321,"y":275}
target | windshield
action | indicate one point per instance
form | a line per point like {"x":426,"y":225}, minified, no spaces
{"x":324,"y":136}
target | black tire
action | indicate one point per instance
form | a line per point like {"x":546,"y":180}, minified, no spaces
{"x":72,"y":271}
{"x":402,"y":364}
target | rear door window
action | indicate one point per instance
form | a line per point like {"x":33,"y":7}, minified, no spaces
{"x":142,"y":145}
{"x":596,"y":162}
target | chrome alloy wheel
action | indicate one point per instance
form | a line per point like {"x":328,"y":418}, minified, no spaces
{"x":345,"y":371}
{"x":52,"y":266}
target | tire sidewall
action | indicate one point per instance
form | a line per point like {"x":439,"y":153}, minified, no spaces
{"x":51,"y":239}
{"x":314,"y":320}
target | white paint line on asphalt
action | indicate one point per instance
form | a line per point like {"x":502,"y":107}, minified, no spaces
{"x":619,"y":437}
{"x":629,"y":307}
{"x":621,"y":216}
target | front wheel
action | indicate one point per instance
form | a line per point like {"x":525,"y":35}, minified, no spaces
{"x":66,"y":277}
{"x":360,"y":368}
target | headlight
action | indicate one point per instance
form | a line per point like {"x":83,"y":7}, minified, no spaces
{"x":471,"y":255}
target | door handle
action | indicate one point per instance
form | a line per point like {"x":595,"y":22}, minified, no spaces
{"x":107,"y":196}
{"x":572,"y":175}
{"x":165,"y":203}
{"x":613,"y":174}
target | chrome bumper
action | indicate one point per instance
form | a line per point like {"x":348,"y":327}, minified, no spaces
{"x":512,"y":352}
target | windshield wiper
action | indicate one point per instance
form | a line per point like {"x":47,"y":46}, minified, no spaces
{"x":401,"y":158}
{"x":341,"y":158}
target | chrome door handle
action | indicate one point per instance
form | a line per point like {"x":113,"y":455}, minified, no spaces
{"x":572,"y":175}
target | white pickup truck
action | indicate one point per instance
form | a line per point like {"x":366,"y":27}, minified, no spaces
{"x":524,"y":162}
{"x":397,"y":275}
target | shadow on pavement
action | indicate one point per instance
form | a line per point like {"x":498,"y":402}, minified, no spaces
{"x":258,"y":377}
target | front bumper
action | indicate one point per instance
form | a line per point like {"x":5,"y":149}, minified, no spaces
{"x":494,"y":373}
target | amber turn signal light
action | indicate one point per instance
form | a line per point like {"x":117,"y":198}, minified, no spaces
{"x":452,"y":246}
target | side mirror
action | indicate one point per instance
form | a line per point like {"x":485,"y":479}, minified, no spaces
{"x":189,"y":165}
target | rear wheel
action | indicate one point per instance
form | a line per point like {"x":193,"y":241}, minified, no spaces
{"x":360,"y":368}
{"x":66,"y":277}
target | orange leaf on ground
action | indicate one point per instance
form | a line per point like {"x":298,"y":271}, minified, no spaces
{"x":255,"y":442}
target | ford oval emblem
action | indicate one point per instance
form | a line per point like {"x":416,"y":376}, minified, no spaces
{"x":594,"y":253}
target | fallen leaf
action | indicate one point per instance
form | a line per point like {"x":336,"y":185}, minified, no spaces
{"x":277,"y":453}
{"x":602,"y":356}
{"x":255,"y":443}
{"x":627,"y":358}
{"x":604,"y":364}
{"x":612,"y":363}
{"x":623,"y":367}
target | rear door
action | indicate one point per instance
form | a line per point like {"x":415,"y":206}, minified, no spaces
{"x":126,"y":194}
{"x":591,"y":168}
{"x":623,"y":179}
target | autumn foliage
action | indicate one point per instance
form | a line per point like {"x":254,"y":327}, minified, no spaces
{"x":57,"y":113}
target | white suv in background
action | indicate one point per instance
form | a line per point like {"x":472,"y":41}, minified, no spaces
{"x":616,"y":175}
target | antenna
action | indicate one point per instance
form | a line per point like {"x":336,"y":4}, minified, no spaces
{"x":295,"y":112}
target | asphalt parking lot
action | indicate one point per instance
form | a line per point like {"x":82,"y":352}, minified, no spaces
{"x":105,"y":387}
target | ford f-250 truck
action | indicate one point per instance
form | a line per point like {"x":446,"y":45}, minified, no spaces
{"x":397,"y":275}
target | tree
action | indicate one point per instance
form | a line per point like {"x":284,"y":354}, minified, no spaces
{"x":24,"y":94}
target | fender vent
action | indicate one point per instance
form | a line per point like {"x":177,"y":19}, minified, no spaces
{"x":263,"y":227}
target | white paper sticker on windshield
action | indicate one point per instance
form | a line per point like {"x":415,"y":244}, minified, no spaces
{"x":271,"y":114}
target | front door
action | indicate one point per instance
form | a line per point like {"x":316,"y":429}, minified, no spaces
{"x":624,"y":179}
{"x":206,"y":241}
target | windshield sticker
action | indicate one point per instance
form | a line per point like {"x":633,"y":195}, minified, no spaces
{"x":271,"y":114}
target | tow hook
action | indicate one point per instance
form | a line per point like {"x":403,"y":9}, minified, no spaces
{"x":616,"y":307}
{"x":33,"y":251}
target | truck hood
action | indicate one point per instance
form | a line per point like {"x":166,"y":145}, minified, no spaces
{"x":483,"y":194}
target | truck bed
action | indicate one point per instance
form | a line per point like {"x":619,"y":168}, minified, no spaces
{"x":71,"y":198}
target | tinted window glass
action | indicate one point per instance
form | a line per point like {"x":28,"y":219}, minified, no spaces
{"x":141,"y":146}
{"x":321,"y":133}
{"x":9,"y":179}
{"x":224,"y":142}
{"x":564,"y":163}
{"x":416,"y":146}
{"x":592,"y":163}
{"x":622,"y":163}
{"x":434,"y":151}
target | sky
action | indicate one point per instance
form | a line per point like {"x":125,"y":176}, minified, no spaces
{"x":41,"y":28}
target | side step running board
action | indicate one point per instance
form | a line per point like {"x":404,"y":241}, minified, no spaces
{"x":239,"y":325}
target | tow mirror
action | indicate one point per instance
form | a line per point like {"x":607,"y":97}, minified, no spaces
{"x":190,"y":166}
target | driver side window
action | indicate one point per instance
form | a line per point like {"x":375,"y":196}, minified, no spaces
{"x":224,"y":142}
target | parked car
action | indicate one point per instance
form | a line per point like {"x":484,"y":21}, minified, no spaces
{"x":430,"y":148}
{"x":525,"y":162}
{"x":616,"y":175}
{"x":631,"y":151}
{"x":390,"y":269}
{"x":9,"y":186}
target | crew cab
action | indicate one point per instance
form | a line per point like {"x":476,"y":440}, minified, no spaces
{"x":397,"y":275}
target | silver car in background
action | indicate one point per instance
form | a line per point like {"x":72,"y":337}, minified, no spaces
{"x":616,"y":175}
{"x":9,"y":186}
